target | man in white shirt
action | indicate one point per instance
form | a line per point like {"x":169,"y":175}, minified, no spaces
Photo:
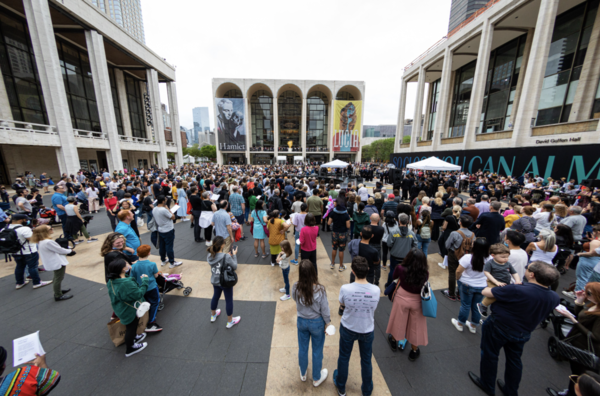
{"x":363,"y":193}
{"x":27,"y":257}
{"x":484,"y":205}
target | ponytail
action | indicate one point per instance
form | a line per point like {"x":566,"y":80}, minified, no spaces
{"x":217,"y":244}
{"x":273,"y":215}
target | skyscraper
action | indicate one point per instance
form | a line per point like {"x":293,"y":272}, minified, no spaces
{"x":201,"y":122}
{"x":461,"y":10}
{"x":126,"y":13}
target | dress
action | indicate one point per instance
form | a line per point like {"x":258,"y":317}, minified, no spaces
{"x":182,"y":201}
{"x":259,"y":232}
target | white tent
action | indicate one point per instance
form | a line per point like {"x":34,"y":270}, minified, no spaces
{"x":335,"y":164}
{"x":433,"y":163}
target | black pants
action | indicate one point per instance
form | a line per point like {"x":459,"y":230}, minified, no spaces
{"x":394,"y":261}
{"x":312,"y":256}
{"x":576,"y":369}
{"x":101,"y":195}
{"x":113,"y":222}
{"x":452,"y":266}
{"x":435,"y":233}
{"x":208,"y":233}
{"x":384,"y":253}
{"x":196,"y":214}
{"x":130,"y":333}
{"x":405,"y":194}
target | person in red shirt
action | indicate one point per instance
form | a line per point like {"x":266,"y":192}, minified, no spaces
{"x":111,"y":203}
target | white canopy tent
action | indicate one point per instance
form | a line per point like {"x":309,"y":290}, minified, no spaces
{"x":335,"y":164}
{"x":433,"y":163}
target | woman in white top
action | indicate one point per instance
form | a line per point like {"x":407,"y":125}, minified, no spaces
{"x":363,"y":193}
{"x":545,"y":217}
{"x":545,"y":249}
{"x":472,"y":282}
{"x":54,"y":258}
{"x":92,"y":193}
{"x":425,"y":205}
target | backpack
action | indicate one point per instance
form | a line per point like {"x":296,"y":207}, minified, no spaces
{"x":466,"y":247}
{"x":425,"y":231}
{"x":9,"y":241}
{"x":228,"y":277}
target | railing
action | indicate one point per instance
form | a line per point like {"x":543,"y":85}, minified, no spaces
{"x":171,"y":144}
{"x":261,"y":148}
{"x":317,"y":149}
{"x":28,"y":127}
{"x":89,"y":134}
{"x":293,"y":149}
{"x":453,"y":32}
{"x":134,"y":139}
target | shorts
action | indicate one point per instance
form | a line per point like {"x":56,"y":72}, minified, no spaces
{"x":338,"y":240}
{"x":240,"y":220}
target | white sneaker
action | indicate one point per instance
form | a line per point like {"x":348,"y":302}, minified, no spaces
{"x":209,"y":243}
{"x":137,"y":348}
{"x":272,"y":264}
{"x":27,"y":282}
{"x":442,"y":265}
{"x":282,"y":290}
{"x":185,"y":219}
{"x":42,"y":284}
{"x":569,"y":294}
{"x":302,"y":377}
{"x":163,"y":263}
{"x":324,"y":373}
{"x":235,"y":320}
{"x":213,"y":318}
{"x":140,"y":337}
{"x":457,"y":324}
{"x":472,"y":327}
{"x":285,"y":297}
{"x":176,"y":264}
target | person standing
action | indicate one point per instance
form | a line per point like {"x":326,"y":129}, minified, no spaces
{"x":59,"y":201}
{"x":400,"y":241}
{"x":359,"y":300}
{"x":489,"y":224}
{"x":217,"y":258}
{"x":166,"y":232}
{"x":146,"y":267}
{"x":375,"y":242}
{"x":27,"y":257}
{"x":258,"y":219}
{"x":315,"y":206}
{"x":54,"y":258}
{"x":340,"y":221}
{"x":277,"y":228}
{"x":111,"y":203}
{"x":298,"y":222}
{"x":517,"y":311}
{"x":308,"y":240}
{"x":124,"y":228}
{"x":196,"y":202}
{"x":222,"y":223}
{"x":313,"y":318}
{"x":454,"y":243}
{"x":238,"y":207}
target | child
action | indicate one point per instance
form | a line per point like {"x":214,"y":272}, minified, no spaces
{"x":4,"y":194}
{"x":284,"y":262}
{"x":498,"y":271}
{"x":147,"y":267}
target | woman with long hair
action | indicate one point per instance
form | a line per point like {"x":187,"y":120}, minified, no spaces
{"x":472,"y":282}
{"x":114,"y":248}
{"x":258,"y":219}
{"x":423,"y":231}
{"x":564,"y":236}
{"x":437,"y":207}
{"x":54,"y":258}
{"x":560,"y":212}
{"x":182,"y":201}
{"x":545,"y":249}
{"x":308,"y":240}
{"x":206,"y":216}
{"x":277,"y":228}
{"x":407,"y":322}
{"x":217,"y":260}
{"x":545,"y":217}
{"x":586,"y":323}
{"x":313,"y":318}
{"x":124,"y":292}
{"x":451,"y":223}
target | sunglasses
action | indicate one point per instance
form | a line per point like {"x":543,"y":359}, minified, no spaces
{"x":574,"y":378}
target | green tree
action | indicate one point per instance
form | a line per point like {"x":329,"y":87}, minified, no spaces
{"x":208,"y":151}
{"x":406,"y":139}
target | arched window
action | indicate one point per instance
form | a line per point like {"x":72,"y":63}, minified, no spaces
{"x":233,"y":93}
{"x":344,"y":95}
{"x":316,"y":119}
{"x":290,"y":117}
{"x":261,"y":108}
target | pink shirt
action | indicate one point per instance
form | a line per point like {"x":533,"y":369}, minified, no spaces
{"x":308,"y":238}
{"x":508,"y":212}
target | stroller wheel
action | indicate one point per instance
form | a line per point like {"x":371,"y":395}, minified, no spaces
{"x":553,"y":348}
{"x":187,"y":291}
{"x":161,"y":306}
{"x":544,"y":323}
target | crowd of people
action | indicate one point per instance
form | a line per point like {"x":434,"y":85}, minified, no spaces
{"x":503,"y":240}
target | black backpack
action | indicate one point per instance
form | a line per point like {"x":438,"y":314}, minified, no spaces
{"x":9,"y":241}
{"x":228,"y":277}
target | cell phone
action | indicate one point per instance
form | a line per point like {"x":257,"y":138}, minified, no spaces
{"x":234,"y":247}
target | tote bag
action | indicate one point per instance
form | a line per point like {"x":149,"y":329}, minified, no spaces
{"x":428,"y":301}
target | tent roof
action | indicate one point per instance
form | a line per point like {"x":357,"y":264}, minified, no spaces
{"x":335,"y":164}
{"x":433,"y":163}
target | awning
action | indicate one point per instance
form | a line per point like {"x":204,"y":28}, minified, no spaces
{"x":433,"y":163}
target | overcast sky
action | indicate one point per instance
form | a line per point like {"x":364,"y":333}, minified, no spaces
{"x":367,"y":41}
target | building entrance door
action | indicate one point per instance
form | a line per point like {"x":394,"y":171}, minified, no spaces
{"x":102,"y":161}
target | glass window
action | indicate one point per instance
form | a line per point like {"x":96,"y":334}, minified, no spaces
{"x":261,"y":108}
{"x":136,"y":107}
{"x":343,"y":95}
{"x":115,"y":98}
{"x":233,"y":93}
{"x":19,"y":71}
{"x":461,"y":99}
{"x":316,"y":120}
{"x":435,"y":97}
{"x":289,"y":107}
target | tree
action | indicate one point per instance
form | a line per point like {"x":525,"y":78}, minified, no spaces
{"x":406,"y":139}
{"x":208,"y":151}
{"x":378,"y":151}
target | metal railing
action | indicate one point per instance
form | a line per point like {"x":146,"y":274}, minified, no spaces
{"x":28,"y":127}
{"x":171,"y":144}
{"x":80,"y":133}
{"x":134,"y":139}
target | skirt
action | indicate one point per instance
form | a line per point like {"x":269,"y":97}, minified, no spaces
{"x":73,"y":225}
{"x":407,"y":320}
{"x":182,"y":211}
{"x":275,"y":249}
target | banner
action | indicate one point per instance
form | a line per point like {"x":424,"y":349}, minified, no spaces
{"x":577,"y":162}
{"x":231,"y":131}
{"x":346,"y":125}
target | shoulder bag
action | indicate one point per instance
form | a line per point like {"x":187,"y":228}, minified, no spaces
{"x":264,"y":226}
{"x":390,"y":291}
{"x":428,"y":301}
{"x":586,"y":358}
{"x":228,"y":277}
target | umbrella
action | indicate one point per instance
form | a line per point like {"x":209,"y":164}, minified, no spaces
{"x":433,"y":163}
{"x":335,"y":164}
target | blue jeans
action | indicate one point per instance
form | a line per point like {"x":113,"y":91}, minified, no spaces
{"x":246,"y":213}
{"x":228,"y":291}
{"x":148,"y":217}
{"x":423,"y":244}
{"x":297,"y":250}
{"x":153,"y":297}
{"x":286,"y":280}
{"x":365,"y":346}
{"x":27,"y":261}
{"x":496,"y":336}
{"x":469,"y":298}
{"x":307,"y":329}
{"x":165,"y":243}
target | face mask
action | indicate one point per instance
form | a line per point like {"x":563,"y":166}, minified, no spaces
{"x":506,"y":244}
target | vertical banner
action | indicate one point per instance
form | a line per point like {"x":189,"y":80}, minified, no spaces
{"x":230,"y":124}
{"x":346,"y":125}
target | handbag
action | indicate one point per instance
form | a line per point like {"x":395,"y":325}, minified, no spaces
{"x":116,"y":329}
{"x":586,"y":358}
{"x":140,"y":222}
{"x":390,"y":291}
{"x":228,"y":277}
{"x":428,"y":301}
{"x":263,"y":225}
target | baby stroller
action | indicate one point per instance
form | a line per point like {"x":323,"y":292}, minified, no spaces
{"x":561,"y":326}
{"x":168,"y":282}
{"x":48,"y":214}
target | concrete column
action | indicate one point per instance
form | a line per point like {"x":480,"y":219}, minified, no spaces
{"x":150,"y":133}
{"x":423,"y":134}
{"x":5,"y":111}
{"x":248,"y":121}
{"x":358,"y":157}
{"x":104,"y":99}
{"x":123,"y":104}
{"x":534,"y":77}
{"x":442,"y":114}
{"x":401,"y":115}
{"x":276,"y":125}
{"x":43,"y":41}
{"x":479,"y":80}
{"x":175,"y":127}
{"x":157,"y":122}
{"x":416,"y":130}
{"x":585,"y":94}
{"x":303,"y":127}
{"x":332,"y":122}
{"x":524,"y":64}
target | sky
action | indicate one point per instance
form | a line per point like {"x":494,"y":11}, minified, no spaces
{"x":369,"y":41}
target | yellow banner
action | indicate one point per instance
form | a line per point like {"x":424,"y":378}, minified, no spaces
{"x":346,"y":125}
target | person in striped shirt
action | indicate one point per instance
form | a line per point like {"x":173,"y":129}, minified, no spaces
{"x":34,"y":378}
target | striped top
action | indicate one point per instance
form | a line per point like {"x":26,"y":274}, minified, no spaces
{"x":29,"y":381}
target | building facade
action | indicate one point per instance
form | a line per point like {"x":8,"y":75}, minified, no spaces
{"x":78,"y":92}
{"x":269,"y":121}
{"x":516,"y":89}
{"x":383,"y":131}
{"x":461,"y":10}
{"x":126,"y":13}
{"x":200,"y":115}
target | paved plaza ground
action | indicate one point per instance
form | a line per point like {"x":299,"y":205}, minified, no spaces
{"x":191,"y":356}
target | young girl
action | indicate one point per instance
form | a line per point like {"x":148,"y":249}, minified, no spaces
{"x":284,"y":262}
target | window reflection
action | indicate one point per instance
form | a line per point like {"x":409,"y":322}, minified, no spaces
{"x":289,"y":107}
{"x":261,"y":107}
{"x":316,"y":119}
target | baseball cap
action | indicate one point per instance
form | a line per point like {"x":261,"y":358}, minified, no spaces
{"x":391,"y":196}
{"x":390,"y":213}
{"x":20,"y":216}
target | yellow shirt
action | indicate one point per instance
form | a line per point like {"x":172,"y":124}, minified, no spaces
{"x":174,"y":192}
{"x":508,"y":220}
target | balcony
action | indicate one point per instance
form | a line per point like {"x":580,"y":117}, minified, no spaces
{"x":90,"y":139}
{"x":132,"y":143}
{"x":284,"y":149}
{"x":451,"y":140}
{"x":317,"y":149}
{"x":28,"y":133}
{"x":424,"y":143}
{"x":262,"y":148}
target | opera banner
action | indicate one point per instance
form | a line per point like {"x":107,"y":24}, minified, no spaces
{"x":346,"y":125}
{"x":231,"y":131}
{"x":576,"y":161}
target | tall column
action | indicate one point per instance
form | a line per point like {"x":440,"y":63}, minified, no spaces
{"x":534,"y":77}
{"x":332,"y":123}
{"x":104,"y":99}
{"x":5,"y":111}
{"x":123,"y":104}
{"x":583,"y":101}
{"x":416,"y":129}
{"x":401,"y":115}
{"x":276,"y":129}
{"x":248,"y":121}
{"x":479,"y":80}
{"x":441,"y":117}
{"x":524,"y":64}
{"x":423,"y":134}
{"x":358,"y":157}
{"x":303,"y":127}
{"x":175,"y":127}
{"x":159,"y":130}
{"x":39,"y":22}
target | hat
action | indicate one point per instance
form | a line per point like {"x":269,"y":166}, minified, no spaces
{"x":19,"y":216}
{"x":390,"y":213}
{"x":481,"y":187}
{"x":391,"y":196}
